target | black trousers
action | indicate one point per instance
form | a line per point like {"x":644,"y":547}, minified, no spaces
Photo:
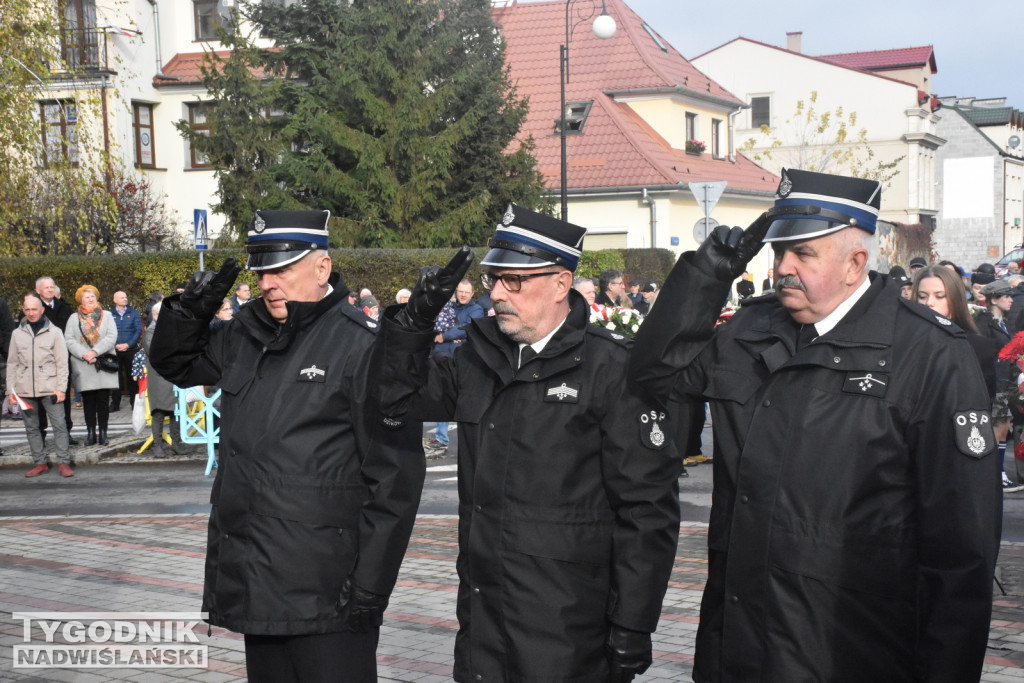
{"x":324,"y":658}
{"x":96,"y":408}
{"x":125,"y":380}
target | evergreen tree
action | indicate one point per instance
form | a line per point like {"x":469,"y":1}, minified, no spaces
{"x":394,"y":115}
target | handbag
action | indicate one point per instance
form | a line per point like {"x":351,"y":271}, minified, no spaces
{"x":107,"y":362}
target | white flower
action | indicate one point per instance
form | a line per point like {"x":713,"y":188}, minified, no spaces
{"x":610,"y":326}
{"x":635,"y":328}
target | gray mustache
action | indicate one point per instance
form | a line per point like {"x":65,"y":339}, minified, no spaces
{"x":789,"y":281}
{"x":503,"y":308}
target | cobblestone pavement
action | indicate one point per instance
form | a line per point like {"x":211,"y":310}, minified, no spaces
{"x":154,"y":564}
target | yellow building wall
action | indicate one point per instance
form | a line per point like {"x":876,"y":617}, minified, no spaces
{"x":668,"y":118}
{"x":624,"y":221}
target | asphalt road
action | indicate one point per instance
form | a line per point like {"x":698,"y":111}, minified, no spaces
{"x":169,"y":488}
{"x":180,"y":487}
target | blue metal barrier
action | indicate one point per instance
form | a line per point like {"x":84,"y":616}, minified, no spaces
{"x":199,"y":420}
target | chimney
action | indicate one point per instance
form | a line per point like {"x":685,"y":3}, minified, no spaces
{"x":793,"y":40}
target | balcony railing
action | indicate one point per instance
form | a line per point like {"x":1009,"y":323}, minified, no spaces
{"x":83,"y":53}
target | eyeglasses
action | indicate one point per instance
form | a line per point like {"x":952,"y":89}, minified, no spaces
{"x":509,"y":281}
{"x":616,"y":283}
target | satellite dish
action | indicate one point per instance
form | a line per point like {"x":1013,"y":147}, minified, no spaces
{"x":1014,"y":142}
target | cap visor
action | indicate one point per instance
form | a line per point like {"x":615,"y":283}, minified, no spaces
{"x":268,"y":260}
{"x":784,"y":229}
{"x":503,"y":258}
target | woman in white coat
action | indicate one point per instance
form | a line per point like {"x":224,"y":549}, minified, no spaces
{"x":90,"y":333}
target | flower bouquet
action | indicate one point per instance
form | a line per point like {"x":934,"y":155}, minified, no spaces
{"x":728,"y":311}
{"x":620,"y":320}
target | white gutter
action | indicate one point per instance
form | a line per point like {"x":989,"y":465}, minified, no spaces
{"x":159,"y":57}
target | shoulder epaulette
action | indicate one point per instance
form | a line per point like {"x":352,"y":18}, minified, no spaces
{"x":361,"y":318}
{"x":765,"y":298}
{"x":617,"y":337}
{"x":937,"y":319}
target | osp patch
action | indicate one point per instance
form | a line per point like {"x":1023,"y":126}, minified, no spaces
{"x":651,"y":433}
{"x":973,"y":433}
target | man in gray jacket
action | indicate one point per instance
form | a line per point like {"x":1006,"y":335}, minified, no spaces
{"x":37,"y":365}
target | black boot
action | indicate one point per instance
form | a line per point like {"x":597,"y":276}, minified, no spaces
{"x":90,"y":436}
{"x":103,"y":436}
{"x":157,"y":430}
{"x":175,"y":429}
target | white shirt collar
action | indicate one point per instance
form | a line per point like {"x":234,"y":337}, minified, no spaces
{"x":539,"y":345}
{"x":825,"y":325}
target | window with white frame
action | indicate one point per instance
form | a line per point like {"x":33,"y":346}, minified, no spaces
{"x":691,"y":126}
{"x":716,"y":138}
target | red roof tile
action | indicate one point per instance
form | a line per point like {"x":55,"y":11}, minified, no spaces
{"x":617,"y":148}
{"x":884,"y":60}
{"x":185,"y":65}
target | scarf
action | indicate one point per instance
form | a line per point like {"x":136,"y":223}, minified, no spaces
{"x":89,"y":323}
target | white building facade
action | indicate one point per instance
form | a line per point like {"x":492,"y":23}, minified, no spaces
{"x":897,"y":116}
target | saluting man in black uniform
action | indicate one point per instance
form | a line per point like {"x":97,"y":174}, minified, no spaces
{"x":568,"y":509}
{"x":856,"y":510}
{"x":316,"y":492}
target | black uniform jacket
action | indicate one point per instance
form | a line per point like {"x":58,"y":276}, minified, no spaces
{"x":857,"y":507}
{"x":568,"y":508}
{"x":311,"y":486}
{"x":989,"y":342}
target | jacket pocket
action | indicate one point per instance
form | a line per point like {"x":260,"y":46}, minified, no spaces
{"x":308,"y":499}
{"x":877,"y":563}
{"x":236,"y":379}
{"x":558,"y":534}
{"x":726,"y":385}
{"x":471,"y":407}
{"x":48,"y":368}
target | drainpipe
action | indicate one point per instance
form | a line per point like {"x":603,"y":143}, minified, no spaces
{"x":106,"y":124}
{"x":732,"y":135}
{"x":649,"y":201}
{"x":159,"y":57}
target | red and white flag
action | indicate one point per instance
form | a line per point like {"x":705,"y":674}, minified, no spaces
{"x":20,"y":402}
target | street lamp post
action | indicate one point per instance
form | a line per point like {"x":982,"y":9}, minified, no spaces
{"x":603,"y":27}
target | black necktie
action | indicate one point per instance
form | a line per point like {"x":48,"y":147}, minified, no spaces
{"x":526,"y":355}
{"x":805,"y":336}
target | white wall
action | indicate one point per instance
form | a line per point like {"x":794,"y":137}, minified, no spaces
{"x":886,"y":109}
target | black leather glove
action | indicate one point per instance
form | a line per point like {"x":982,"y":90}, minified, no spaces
{"x":629,"y":653}
{"x":204,"y":294}
{"x":727,"y":251}
{"x":365,"y":609}
{"x":433,"y":290}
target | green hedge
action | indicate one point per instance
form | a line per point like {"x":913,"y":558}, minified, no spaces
{"x":384,"y":271}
